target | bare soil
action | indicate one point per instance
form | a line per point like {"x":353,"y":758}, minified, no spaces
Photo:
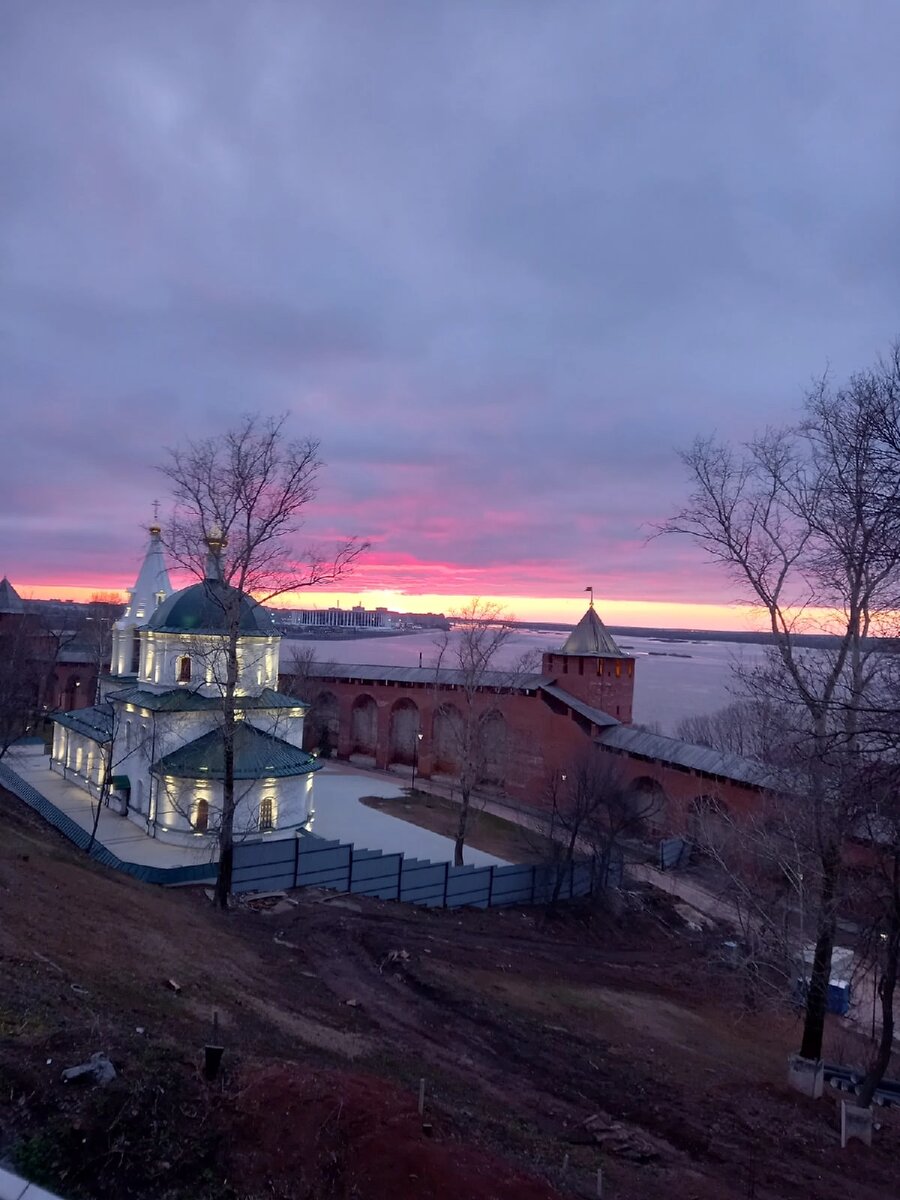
{"x":485,"y":831}
{"x":594,"y":1038}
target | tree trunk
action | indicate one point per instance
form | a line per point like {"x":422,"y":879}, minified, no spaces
{"x":561,"y":869}
{"x":103,"y":794}
{"x":226,"y":829}
{"x":461,"y":828}
{"x":886,"y":989}
{"x":820,"y":976}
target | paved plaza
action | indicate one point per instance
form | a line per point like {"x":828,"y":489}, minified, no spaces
{"x":339,"y":815}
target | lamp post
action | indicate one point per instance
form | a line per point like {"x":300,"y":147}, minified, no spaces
{"x":418,"y":739}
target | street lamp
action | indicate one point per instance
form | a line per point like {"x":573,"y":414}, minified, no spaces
{"x":418,"y":739}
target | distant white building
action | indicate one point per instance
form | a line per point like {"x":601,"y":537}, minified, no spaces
{"x":337,"y":618}
{"x":157,"y":731}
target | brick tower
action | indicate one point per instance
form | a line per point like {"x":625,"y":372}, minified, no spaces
{"x":590,"y":666}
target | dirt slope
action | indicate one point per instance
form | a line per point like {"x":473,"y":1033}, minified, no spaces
{"x":604,"y":1043}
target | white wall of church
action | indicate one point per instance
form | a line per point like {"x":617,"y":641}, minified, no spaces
{"x":188,"y":809}
{"x":78,"y":758}
{"x":198,"y":664}
{"x":283,"y":723}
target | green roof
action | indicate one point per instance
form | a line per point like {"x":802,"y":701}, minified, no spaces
{"x":257,"y":755}
{"x":202,"y":609}
{"x":184,"y":700}
{"x":95,"y":723}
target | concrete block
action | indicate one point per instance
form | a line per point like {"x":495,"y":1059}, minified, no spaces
{"x":856,"y":1123}
{"x":806,"y":1075}
{"x":11,"y":1186}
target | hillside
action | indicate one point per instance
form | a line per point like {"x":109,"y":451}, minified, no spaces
{"x":595,"y":1038}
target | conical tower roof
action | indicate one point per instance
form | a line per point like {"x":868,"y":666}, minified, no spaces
{"x":590,"y":637}
{"x":152,"y":585}
{"x":10,"y":600}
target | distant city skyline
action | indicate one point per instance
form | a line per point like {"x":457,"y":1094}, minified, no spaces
{"x":502,"y":260}
{"x":568,"y":609}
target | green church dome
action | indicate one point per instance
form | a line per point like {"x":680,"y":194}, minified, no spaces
{"x":203,"y":608}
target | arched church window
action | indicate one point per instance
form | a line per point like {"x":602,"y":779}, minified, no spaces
{"x":184,"y":669}
{"x":267,"y":813}
{"x":201,"y":815}
{"x":135,"y":653}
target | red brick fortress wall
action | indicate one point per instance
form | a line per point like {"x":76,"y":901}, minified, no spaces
{"x":376,"y":722}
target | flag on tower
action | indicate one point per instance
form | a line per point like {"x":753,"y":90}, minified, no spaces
{"x":591,"y":590}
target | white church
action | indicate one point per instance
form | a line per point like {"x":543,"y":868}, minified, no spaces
{"x":153,"y":745}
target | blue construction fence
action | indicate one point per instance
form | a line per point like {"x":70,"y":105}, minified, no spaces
{"x":166,"y":876}
{"x":311,"y":861}
{"x":307,"y":860}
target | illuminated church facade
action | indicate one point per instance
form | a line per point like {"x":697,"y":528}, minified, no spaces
{"x":153,"y":748}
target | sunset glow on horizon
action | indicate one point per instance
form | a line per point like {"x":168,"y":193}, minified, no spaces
{"x":656,"y":614}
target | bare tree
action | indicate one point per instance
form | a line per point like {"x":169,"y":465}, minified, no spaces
{"x":300,"y":678}
{"x":807,"y":519}
{"x":244,"y":494}
{"x":756,"y":728}
{"x":594,"y":811}
{"x":880,"y":944}
{"x":26,"y":661}
{"x":95,"y":632}
{"x":471,"y":652}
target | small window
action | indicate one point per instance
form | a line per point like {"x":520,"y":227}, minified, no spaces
{"x":618,"y":670}
{"x":201,"y":813}
{"x":184,"y":669}
{"x":599,"y":666}
{"x":630,"y":669}
{"x":266,"y":813}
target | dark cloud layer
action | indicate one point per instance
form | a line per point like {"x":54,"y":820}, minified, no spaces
{"x":501,"y":258}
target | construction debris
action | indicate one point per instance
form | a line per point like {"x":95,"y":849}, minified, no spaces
{"x":394,"y":956}
{"x":616,"y":1138}
{"x":98,"y":1069}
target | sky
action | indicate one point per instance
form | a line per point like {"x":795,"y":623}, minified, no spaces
{"x":502,"y":259}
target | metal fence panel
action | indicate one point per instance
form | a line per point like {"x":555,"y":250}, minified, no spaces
{"x":326,"y":866}
{"x":674,"y":853}
{"x":468,"y":886}
{"x":512,"y":885}
{"x":422,"y":882}
{"x":377,"y":877}
{"x":272,"y":850}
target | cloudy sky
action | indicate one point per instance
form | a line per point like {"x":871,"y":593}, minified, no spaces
{"x":503,"y":259}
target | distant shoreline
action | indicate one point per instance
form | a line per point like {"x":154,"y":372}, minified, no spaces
{"x":552,"y":628}
{"x":692,"y":635}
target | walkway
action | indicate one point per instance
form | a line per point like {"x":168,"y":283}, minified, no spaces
{"x":339,"y":816}
{"x":119,"y":835}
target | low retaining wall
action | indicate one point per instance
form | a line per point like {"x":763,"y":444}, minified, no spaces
{"x":166,"y":876}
